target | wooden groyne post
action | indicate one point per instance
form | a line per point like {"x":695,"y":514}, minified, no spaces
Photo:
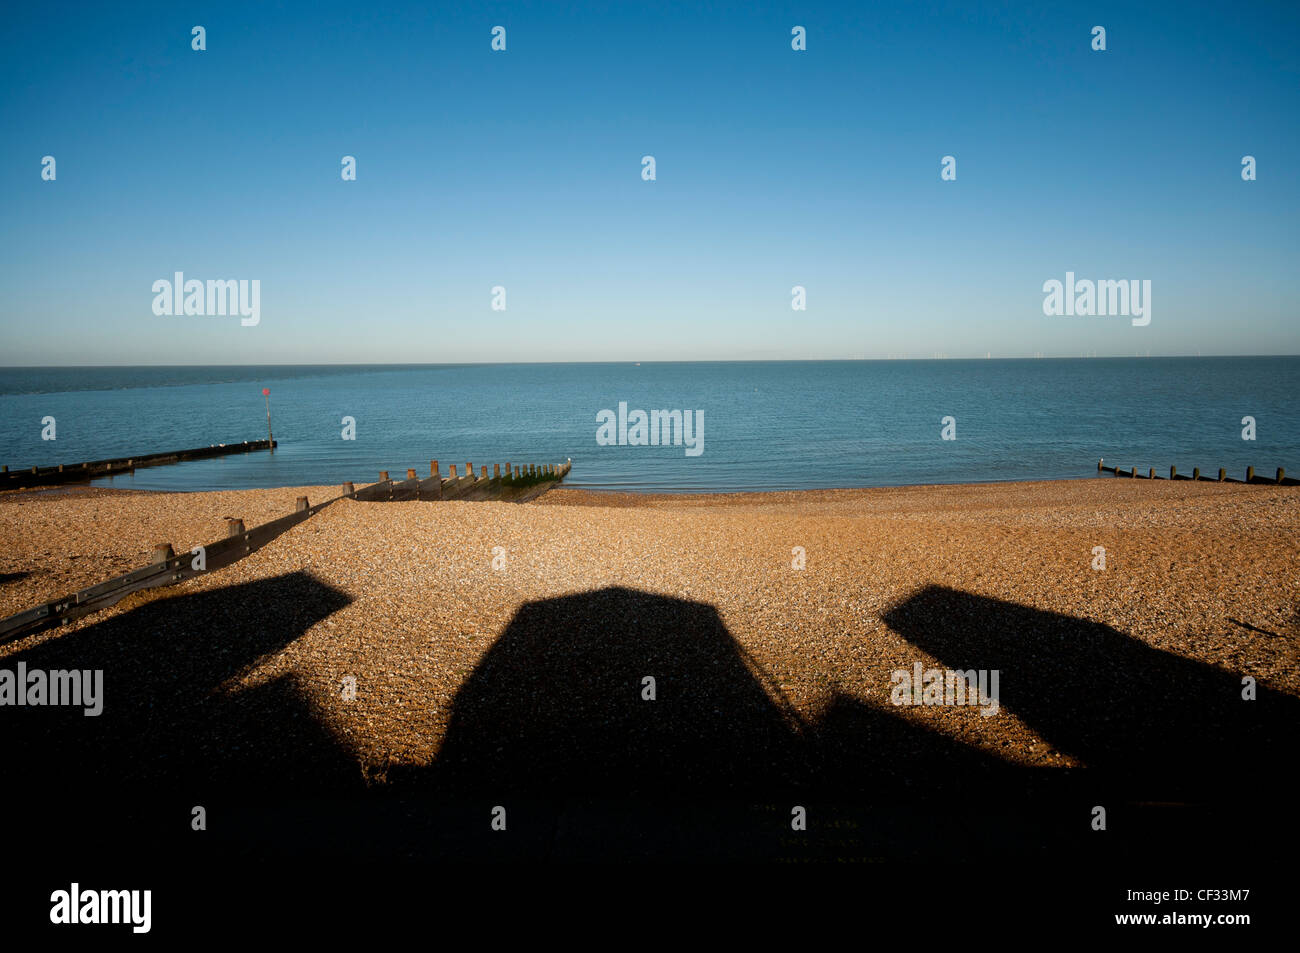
{"x":507,"y":481}
{"x":1280,"y":480}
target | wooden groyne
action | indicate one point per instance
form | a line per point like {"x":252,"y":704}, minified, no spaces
{"x":91,"y":470}
{"x":166,"y":569}
{"x":509,"y":482}
{"x":1281,"y":479}
{"x":515,"y":484}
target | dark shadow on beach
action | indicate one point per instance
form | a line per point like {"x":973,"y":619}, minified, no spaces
{"x":554,"y":714}
{"x":122,"y":784}
{"x":555,"y":725}
{"x":1151,"y":723}
{"x":165,"y":720}
{"x":561,"y":705}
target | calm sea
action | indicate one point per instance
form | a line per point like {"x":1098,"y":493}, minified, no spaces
{"x":767,"y":425}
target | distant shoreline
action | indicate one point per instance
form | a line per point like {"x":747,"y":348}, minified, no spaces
{"x":594,"y":492}
{"x":592,"y":496}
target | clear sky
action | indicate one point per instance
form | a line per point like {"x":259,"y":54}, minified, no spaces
{"x":522,"y":169}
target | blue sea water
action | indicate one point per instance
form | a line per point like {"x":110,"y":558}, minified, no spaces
{"x":767,"y":425}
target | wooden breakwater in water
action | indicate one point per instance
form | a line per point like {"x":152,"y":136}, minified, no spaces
{"x":508,"y":482}
{"x":513,"y":484}
{"x":93,"y":469}
{"x":1280,"y":479}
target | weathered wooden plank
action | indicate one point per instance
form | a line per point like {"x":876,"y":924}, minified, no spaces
{"x":217,"y":555}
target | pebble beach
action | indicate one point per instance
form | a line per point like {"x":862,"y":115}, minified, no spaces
{"x":824,"y":593}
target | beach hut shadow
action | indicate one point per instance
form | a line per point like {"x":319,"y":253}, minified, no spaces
{"x":1146,"y":721}
{"x":176,"y":733}
{"x":164,"y":724}
{"x":621,"y":693}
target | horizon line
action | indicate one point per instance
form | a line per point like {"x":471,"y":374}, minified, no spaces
{"x":703,"y":360}
{"x":769,"y":360}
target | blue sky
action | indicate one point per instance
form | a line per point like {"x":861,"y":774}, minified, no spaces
{"x":522,"y":169}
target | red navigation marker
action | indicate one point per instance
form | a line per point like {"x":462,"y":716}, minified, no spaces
{"x":266,"y":392}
